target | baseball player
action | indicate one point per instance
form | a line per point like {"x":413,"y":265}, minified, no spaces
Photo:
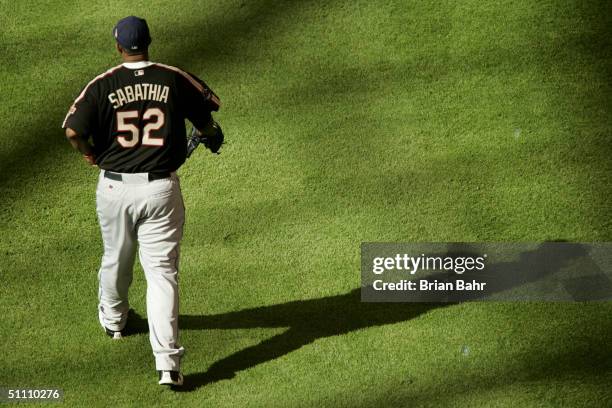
{"x":130,"y":122}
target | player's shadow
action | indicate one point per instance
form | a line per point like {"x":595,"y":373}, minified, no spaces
{"x":309,"y":320}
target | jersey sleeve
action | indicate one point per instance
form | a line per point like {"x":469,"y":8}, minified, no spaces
{"x":82,"y":113}
{"x":198,"y":100}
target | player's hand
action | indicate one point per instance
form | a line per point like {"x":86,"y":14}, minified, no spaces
{"x":89,"y":158}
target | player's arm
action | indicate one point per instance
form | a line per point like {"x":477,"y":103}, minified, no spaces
{"x":202,"y":101}
{"x":80,"y":121}
{"x":81,"y":144}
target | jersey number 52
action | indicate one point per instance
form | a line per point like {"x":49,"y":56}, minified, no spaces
{"x":153,"y":119}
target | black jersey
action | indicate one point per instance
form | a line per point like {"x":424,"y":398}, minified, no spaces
{"x":135,"y":114}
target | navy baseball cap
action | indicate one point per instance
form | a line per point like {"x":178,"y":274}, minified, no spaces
{"x":132,"y":33}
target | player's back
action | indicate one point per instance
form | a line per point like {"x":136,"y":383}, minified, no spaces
{"x":136,"y":114}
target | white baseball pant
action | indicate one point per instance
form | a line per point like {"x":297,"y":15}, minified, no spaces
{"x":148,"y":214}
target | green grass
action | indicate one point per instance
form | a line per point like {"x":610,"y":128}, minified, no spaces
{"x":346,"y":122}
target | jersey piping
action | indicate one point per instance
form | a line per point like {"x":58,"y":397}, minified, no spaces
{"x":82,"y":94}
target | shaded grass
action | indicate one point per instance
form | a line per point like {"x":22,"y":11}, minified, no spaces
{"x":347,"y":123}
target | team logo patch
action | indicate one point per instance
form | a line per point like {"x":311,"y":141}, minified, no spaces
{"x":139,"y":72}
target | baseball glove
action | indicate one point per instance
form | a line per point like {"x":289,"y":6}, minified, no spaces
{"x":211,"y":137}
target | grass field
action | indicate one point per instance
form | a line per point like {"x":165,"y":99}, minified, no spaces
{"x":356,"y":121}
